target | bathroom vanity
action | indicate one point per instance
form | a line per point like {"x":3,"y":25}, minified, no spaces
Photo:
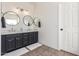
{"x":17,"y":33}
{"x":10,"y":42}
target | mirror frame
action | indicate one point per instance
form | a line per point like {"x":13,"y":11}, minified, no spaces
{"x":15,"y":14}
{"x":34,"y":21}
{"x":30,"y":17}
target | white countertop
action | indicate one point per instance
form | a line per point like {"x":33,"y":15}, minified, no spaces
{"x":6,"y":31}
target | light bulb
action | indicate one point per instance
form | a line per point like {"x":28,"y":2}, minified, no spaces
{"x":26,"y":12}
{"x":16,"y":10}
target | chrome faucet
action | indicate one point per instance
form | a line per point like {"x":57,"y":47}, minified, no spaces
{"x":21,"y":29}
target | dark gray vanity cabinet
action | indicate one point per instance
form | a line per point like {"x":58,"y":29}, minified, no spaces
{"x":3,"y":48}
{"x":25,"y":39}
{"x":30,"y":38}
{"x":18,"y":40}
{"x":33,"y":37}
{"x":12,"y":42}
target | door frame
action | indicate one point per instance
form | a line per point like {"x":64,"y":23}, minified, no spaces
{"x":59,"y":26}
{"x":60,"y":45}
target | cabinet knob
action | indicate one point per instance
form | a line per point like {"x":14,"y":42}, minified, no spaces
{"x":61,"y":29}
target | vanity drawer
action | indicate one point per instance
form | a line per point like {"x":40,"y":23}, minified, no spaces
{"x":25,"y":39}
{"x":33,"y":37}
{"x":18,"y":42}
{"x":30,"y":39}
{"x":25,"y":43}
{"x":25,"y":34}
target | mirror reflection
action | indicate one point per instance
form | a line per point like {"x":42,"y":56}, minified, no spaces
{"x":28,"y":20}
{"x":11,"y":18}
{"x":37,"y":22}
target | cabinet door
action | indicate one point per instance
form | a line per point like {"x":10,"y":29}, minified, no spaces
{"x":18,"y":41}
{"x":31,"y":38}
{"x":10,"y":43}
{"x":3,"y":51}
{"x":35,"y":37}
{"x":25,"y":39}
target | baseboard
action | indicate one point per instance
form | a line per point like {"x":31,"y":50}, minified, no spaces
{"x":70,"y":52}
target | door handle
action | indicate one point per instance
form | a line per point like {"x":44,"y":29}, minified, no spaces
{"x":61,"y":29}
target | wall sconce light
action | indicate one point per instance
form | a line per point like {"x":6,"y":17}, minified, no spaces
{"x":16,"y":10}
{"x":26,"y":12}
{"x":21,"y":10}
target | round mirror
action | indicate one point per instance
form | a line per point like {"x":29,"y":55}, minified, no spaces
{"x":37,"y":22}
{"x":11,"y":18}
{"x":28,"y":20}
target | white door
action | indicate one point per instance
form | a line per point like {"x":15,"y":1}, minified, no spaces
{"x":68,"y":21}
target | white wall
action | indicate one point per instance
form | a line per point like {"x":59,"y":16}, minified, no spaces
{"x":10,"y":6}
{"x":48,"y":13}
